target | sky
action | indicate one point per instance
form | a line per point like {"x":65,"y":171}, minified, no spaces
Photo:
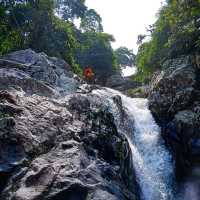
{"x":126,"y":19}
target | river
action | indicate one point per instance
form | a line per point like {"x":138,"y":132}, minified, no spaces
{"x":152,"y":161}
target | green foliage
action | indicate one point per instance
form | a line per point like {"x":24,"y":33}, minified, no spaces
{"x":33,"y":24}
{"x":47,"y":26}
{"x":176,"y":32}
{"x":71,"y":9}
{"x":9,"y":37}
{"x":125,"y":57}
{"x":91,"y":21}
{"x":97,"y":52}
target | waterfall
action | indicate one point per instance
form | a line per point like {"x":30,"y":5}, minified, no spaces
{"x":151,"y":160}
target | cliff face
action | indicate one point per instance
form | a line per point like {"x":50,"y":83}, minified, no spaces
{"x":57,"y":140}
{"x":174,"y":100}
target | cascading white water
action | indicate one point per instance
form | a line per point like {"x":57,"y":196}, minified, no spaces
{"x":152,"y":161}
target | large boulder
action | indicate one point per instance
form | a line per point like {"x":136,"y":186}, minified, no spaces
{"x":173,"y":89}
{"x":174,"y":101}
{"x":13,"y":77}
{"x":58,"y":149}
{"x":37,"y":69}
{"x":57,"y":139}
{"x":118,"y":82}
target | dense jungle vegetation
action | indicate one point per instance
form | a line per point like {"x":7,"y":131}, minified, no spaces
{"x":176,"y":32}
{"x":49,"y":26}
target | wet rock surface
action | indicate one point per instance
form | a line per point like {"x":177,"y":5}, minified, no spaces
{"x":172,"y":89}
{"x":174,"y":101}
{"x":56,"y":144}
{"x":37,"y":73}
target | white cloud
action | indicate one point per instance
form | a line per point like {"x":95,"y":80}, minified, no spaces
{"x":126,"y":19}
{"x":128,"y":71}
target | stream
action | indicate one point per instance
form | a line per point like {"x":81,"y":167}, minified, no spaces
{"x":152,"y":162}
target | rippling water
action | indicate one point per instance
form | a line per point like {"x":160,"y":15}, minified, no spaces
{"x":152,"y":161}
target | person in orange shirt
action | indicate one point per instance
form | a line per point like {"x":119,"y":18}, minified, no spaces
{"x":89,"y":75}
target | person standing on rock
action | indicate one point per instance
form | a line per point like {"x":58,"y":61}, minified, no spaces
{"x":89,"y":75}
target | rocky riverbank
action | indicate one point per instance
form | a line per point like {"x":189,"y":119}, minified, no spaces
{"x":58,"y":140}
{"x":174,"y":100}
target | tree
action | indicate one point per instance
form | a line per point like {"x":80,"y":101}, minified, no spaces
{"x":91,"y":21}
{"x":175,"y":33}
{"x":125,"y":57}
{"x":47,"y":26}
{"x":71,"y":9}
{"x":140,"y":39}
{"x":41,"y":25}
{"x":96,"y":51}
{"x":11,"y":34}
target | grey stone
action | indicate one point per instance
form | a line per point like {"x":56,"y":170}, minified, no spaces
{"x":174,"y":99}
{"x":39,"y":69}
{"x":172,"y":90}
{"x":118,"y":82}
{"x":57,"y":142}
